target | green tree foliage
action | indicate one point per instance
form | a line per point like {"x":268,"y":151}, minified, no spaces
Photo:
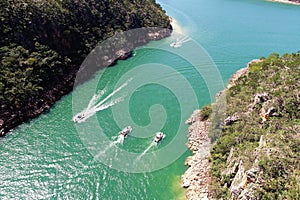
{"x":23,"y":74}
{"x":205,"y":112}
{"x":73,"y":28}
{"x":44,"y":41}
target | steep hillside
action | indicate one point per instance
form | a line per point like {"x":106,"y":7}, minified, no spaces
{"x":43,"y":44}
{"x":257,"y":154}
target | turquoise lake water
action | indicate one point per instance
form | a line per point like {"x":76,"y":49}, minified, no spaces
{"x":54,"y":158}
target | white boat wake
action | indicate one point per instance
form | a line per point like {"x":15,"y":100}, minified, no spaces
{"x":146,"y":150}
{"x":180,"y":41}
{"x":117,"y":140}
{"x":120,"y":140}
{"x":94,"y":107}
{"x":158,"y":137}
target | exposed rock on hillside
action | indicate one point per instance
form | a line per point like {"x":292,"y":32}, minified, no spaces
{"x":196,"y":179}
{"x":256,"y":153}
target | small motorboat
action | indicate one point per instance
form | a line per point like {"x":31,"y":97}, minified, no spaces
{"x":175,"y":44}
{"x":125,"y":131}
{"x":158,"y":137}
{"x":180,"y":41}
{"x":78,"y":118}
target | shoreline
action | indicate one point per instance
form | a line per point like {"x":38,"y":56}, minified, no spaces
{"x":196,"y":179}
{"x":286,"y":2}
{"x":176,"y":27}
{"x":42,"y":102}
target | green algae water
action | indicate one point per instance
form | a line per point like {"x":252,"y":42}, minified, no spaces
{"x":49,"y":157}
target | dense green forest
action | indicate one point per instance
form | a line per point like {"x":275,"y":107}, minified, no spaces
{"x":257,"y":154}
{"x":43,"y":42}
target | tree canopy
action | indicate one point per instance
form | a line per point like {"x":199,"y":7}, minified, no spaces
{"x":42,"y":41}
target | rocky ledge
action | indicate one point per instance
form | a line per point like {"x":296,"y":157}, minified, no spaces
{"x":196,"y":179}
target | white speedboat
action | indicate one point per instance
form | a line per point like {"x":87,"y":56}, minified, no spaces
{"x":180,"y":41}
{"x":175,"y":44}
{"x":125,"y":131}
{"x":158,"y":137}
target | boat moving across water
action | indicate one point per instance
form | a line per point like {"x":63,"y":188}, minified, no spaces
{"x":158,"y":137}
{"x":125,"y":131}
{"x":180,"y":41}
{"x":78,"y":118}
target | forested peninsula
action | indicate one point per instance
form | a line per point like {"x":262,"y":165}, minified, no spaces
{"x":254,"y":128}
{"x":43,"y":44}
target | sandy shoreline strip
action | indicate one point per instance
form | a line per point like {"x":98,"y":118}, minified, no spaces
{"x":285,"y":1}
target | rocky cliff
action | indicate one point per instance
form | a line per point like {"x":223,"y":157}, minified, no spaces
{"x":256,"y":150}
{"x":196,"y":179}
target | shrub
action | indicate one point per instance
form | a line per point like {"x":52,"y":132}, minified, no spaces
{"x":205,"y":112}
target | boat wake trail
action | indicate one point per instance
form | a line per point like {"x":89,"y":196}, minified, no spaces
{"x":95,"y":106}
{"x":180,"y":41}
{"x":146,"y":150}
{"x":120,"y":140}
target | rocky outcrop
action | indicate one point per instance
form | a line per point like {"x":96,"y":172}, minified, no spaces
{"x":245,"y":183}
{"x":196,"y":179}
{"x":256,"y":153}
{"x":260,"y":98}
{"x":268,"y":110}
{"x":268,"y":106}
{"x":231,"y":119}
